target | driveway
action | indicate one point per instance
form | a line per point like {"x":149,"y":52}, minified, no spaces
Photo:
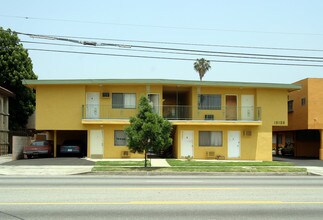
{"x":63,"y":161}
{"x":300,"y":161}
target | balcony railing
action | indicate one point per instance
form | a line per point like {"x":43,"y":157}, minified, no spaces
{"x":176,"y":112}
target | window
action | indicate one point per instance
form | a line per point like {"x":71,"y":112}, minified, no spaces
{"x":290,"y":106}
{"x":120,"y":138}
{"x":303,"y":101}
{"x":123,"y":100}
{"x":210,"y":138}
{"x":209,"y":102}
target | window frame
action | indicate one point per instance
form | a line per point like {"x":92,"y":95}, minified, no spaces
{"x":303,"y":101}
{"x":209,"y":142}
{"x":290,"y":105}
{"x":209,"y":106}
{"x":114,"y":138}
{"x":123,"y":105}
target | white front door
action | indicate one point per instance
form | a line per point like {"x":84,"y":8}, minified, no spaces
{"x":233,"y":144}
{"x":154,"y":101}
{"x":187,"y":143}
{"x":247,"y":107}
{"x":92,"y":105}
{"x":96,"y":143}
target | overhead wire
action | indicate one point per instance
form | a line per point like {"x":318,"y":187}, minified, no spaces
{"x":169,"y":52}
{"x":177,"y":49}
{"x":182,"y":43}
{"x":171,"y":58}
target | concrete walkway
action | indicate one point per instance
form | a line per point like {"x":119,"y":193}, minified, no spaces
{"x":43,"y":170}
{"x":159,"y":163}
{"x":314,"y":170}
{"x":19,"y":169}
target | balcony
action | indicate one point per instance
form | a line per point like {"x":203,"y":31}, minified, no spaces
{"x":175,"y":112}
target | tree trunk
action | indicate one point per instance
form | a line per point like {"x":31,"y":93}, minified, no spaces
{"x":145,"y":159}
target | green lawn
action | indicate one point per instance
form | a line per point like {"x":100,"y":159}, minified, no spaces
{"x":122,"y":163}
{"x":198,"y":166}
{"x":250,"y":169}
{"x":186,"y":163}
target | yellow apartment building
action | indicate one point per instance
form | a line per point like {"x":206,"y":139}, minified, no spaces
{"x":224,"y":120}
{"x":305,"y":117}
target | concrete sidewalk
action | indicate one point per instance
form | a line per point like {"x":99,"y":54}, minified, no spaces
{"x":5,"y":158}
{"x":314,"y":170}
{"x":39,"y":170}
{"x":43,"y":170}
{"x":61,"y":169}
{"x":159,"y":163}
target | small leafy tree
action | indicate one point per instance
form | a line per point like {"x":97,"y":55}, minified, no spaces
{"x":202,"y":66}
{"x":148,"y":131}
{"x":15,"y":65}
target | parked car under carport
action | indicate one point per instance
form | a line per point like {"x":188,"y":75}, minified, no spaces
{"x":72,"y":148}
{"x":39,"y":148}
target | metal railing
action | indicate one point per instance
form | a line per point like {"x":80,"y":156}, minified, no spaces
{"x":176,"y":112}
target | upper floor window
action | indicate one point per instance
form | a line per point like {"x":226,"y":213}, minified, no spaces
{"x":123,"y":100}
{"x":210,"y":138}
{"x":209,"y":101}
{"x":290,"y":106}
{"x":303,"y":101}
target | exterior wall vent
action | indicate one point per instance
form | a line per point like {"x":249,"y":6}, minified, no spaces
{"x":125,"y":154}
{"x":210,"y":154}
{"x":209,"y":117}
{"x":247,"y":133}
{"x":105,"y":95}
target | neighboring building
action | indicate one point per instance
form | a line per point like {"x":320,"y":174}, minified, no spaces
{"x":4,"y":120}
{"x":228,"y":120}
{"x":305,"y":120}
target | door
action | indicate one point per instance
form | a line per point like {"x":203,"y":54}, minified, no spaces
{"x":154,"y":101}
{"x":233,"y":144}
{"x":247,"y":107}
{"x":92,"y":105}
{"x":96,"y":143}
{"x":187,"y":143}
{"x":231,"y":107}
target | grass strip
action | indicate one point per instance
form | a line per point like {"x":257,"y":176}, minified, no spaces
{"x":204,"y":169}
{"x":122,"y":163}
{"x":192,"y":163}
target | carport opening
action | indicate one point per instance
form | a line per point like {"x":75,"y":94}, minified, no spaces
{"x":74,"y":136}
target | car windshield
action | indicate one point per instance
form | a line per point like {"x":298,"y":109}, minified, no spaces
{"x":39,"y":143}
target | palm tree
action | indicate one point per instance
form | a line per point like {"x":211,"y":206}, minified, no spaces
{"x":202,"y":66}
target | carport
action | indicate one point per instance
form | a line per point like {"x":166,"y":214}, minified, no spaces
{"x":62,"y":135}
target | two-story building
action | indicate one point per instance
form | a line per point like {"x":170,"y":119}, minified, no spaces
{"x":305,"y":117}
{"x":4,"y":119}
{"x":231,"y":120}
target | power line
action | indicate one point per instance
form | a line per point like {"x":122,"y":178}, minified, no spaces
{"x":157,"y":26}
{"x":186,"y":44}
{"x":171,"y":58}
{"x":48,"y":37}
{"x":171,"y":52}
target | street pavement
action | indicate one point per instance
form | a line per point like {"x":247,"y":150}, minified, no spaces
{"x":162,"y":197}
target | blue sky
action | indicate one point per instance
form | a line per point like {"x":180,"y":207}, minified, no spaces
{"x":275,"y":23}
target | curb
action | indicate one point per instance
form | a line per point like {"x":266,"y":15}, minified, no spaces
{"x":149,"y":173}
